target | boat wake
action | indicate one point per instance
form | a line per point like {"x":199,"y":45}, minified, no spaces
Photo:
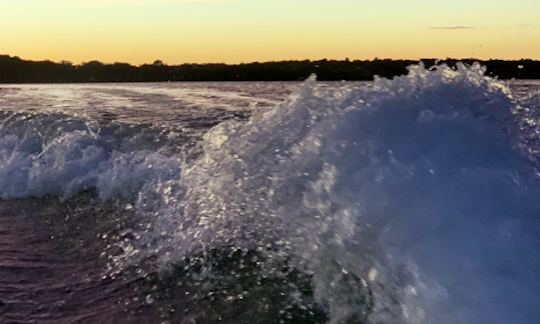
{"x":412,"y":200}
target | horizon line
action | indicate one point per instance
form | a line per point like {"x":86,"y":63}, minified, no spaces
{"x":268,"y":61}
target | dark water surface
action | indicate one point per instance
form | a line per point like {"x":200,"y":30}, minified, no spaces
{"x":52,"y":271}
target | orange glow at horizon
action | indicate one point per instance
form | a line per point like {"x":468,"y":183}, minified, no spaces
{"x":235,"y":31}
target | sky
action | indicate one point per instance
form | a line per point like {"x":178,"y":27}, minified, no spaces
{"x":234,"y":31}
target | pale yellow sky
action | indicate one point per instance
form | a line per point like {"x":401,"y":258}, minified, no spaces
{"x":232,"y":31}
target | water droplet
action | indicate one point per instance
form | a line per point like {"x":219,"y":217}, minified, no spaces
{"x":149,"y":300}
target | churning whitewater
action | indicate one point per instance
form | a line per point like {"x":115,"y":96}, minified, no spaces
{"x":412,"y":200}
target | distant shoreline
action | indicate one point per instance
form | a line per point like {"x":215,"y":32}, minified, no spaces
{"x":14,"y":70}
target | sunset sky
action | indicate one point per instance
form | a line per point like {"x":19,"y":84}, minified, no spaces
{"x":232,"y":31}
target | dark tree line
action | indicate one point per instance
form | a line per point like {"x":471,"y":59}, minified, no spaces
{"x":16,"y":70}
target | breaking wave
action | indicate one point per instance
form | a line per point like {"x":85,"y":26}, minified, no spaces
{"x":412,"y":200}
{"x":59,"y":155}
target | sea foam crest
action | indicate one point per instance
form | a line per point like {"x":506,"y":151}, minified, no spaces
{"x":413,"y":186}
{"x":60,"y":155}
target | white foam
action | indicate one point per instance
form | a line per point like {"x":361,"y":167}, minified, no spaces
{"x":57,"y":155}
{"x":415,"y":185}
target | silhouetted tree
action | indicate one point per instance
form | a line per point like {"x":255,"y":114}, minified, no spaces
{"x":16,"y":70}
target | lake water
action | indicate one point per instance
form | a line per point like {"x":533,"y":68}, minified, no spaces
{"x":413,"y":200}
